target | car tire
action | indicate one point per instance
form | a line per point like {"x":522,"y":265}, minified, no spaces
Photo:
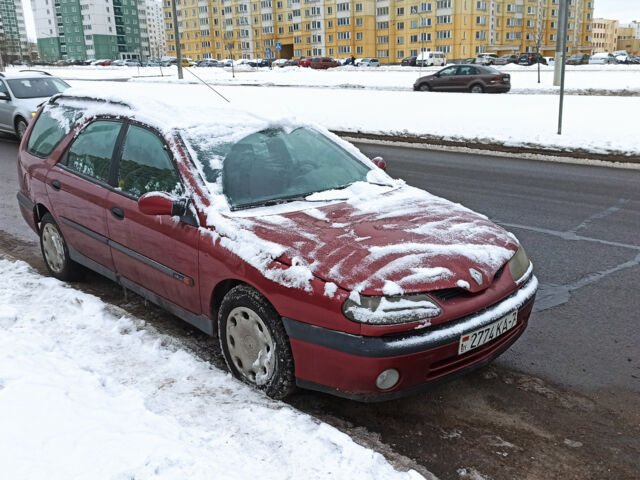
{"x":424,"y":87}
{"x":20,"y":127}
{"x":254,"y":342}
{"x":55,"y":252}
{"x":477,"y":88}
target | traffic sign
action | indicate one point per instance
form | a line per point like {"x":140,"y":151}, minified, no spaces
{"x":278,"y":46}
{"x":268,"y":50}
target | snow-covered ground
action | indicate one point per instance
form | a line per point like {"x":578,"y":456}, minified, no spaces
{"x":87,"y":392}
{"x":579,"y":79}
{"x":515,"y":120}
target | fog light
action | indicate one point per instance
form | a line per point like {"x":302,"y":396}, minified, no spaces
{"x":387,"y":379}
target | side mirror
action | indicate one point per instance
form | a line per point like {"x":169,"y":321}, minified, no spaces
{"x":380,"y":163}
{"x":4,"y":96}
{"x":160,"y":203}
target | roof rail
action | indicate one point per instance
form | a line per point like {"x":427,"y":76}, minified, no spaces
{"x":87,"y":99}
{"x":36,"y":71}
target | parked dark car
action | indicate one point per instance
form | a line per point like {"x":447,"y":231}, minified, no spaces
{"x":321,"y":63}
{"x":125,"y":189}
{"x":292,"y":62}
{"x":529,"y":59}
{"x":578,"y":59}
{"x":409,"y":62}
{"x":465,"y":78}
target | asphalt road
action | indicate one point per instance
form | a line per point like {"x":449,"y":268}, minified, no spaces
{"x":581,"y":228}
{"x":563,"y":402}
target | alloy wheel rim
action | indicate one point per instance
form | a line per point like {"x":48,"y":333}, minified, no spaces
{"x":250,"y":345}
{"x":53,"y":248}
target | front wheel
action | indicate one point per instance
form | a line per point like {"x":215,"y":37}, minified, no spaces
{"x":424,"y":87}
{"x":254,"y":343}
{"x":21,"y":127}
{"x":55,"y":251}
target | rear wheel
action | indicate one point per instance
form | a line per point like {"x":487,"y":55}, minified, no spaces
{"x":55,"y":251}
{"x":477,"y":89}
{"x":254,"y":343}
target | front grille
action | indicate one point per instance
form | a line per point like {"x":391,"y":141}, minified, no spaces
{"x":447,"y":293}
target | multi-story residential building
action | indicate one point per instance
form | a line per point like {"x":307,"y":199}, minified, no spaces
{"x":90,"y":29}
{"x":155,"y":29}
{"x":629,"y":38}
{"x":605,"y":35}
{"x":13,"y":34}
{"x":387,"y":29}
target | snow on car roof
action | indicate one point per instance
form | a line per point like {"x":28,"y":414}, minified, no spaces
{"x":163,"y":106}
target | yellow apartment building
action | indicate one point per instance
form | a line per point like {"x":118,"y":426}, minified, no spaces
{"x":387,"y":29}
{"x":605,"y":35}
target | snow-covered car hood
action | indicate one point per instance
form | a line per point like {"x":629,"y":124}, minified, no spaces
{"x":402,"y":240}
{"x":31,"y":104}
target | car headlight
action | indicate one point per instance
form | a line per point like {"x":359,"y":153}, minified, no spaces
{"x":381,"y":310}
{"x":33,"y":114}
{"x":519,"y":265}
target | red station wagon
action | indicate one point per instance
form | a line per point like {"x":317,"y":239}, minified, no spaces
{"x":312,"y":266}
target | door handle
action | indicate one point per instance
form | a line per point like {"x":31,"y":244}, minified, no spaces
{"x":55,"y":184}
{"x":117,"y":212}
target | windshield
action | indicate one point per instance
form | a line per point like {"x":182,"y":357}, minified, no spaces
{"x":274,"y":165}
{"x":36,"y":87}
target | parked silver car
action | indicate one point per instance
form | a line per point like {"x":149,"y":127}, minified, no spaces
{"x":20,"y":95}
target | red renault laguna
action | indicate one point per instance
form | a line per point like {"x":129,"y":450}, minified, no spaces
{"x":312,"y":266}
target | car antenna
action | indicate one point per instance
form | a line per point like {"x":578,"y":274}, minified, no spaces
{"x":189,"y":70}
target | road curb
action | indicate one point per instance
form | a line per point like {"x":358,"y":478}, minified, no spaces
{"x":612,"y":158}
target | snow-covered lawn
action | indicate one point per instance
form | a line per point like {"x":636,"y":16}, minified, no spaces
{"x":88,"y":393}
{"x":581,"y":78}
{"x":504,"y":119}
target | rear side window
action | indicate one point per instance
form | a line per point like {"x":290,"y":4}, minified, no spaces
{"x":91,"y":152}
{"x":50,"y":128}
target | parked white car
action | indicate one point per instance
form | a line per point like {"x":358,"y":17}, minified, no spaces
{"x":487,"y":58}
{"x":603,"y":58}
{"x":431,"y":58}
{"x":369,"y":62}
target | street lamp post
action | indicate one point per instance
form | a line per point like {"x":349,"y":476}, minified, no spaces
{"x":176,"y":33}
{"x":562,"y":46}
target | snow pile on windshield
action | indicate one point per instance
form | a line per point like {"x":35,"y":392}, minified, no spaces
{"x":89,"y":393}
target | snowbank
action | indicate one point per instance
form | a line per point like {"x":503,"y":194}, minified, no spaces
{"x":85,"y":393}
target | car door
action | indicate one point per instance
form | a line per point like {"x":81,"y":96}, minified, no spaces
{"x":6,"y":108}
{"x":77,"y":187}
{"x":464,"y":77}
{"x":158,"y":253}
{"x":445,"y":81}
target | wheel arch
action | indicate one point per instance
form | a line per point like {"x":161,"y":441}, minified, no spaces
{"x":39,"y":211}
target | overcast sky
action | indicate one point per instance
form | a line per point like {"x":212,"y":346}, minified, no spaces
{"x":623,"y":10}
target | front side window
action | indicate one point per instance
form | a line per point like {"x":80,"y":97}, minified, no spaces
{"x":92,"y":150}
{"x":145,"y":165}
{"x":37,"y":87}
{"x":3,"y":88}
{"x":448,"y":71}
{"x":274,"y":165}
{"x":50,"y":128}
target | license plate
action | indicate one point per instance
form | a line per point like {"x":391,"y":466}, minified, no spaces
{"x":479,"y":337}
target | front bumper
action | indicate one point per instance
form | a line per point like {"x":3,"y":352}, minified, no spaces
{"x":347,"y":365}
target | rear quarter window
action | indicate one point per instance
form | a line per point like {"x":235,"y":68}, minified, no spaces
{"x":52,"y":126}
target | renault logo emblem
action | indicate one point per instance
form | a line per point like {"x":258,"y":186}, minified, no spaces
{"x":476,"y":275}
